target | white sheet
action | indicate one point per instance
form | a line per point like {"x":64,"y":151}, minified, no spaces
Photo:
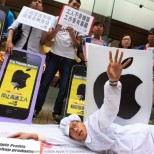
{"x":68,"y":145}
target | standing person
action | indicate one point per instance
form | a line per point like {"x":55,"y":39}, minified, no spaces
{"x":8,"y":22}
{"x":97,"y":31}
{"x":150,"y":39}
{"x":31,"y":37}
{"x":125,"y":42}
{"x":61,"y":59}
{"x":99,"y":132}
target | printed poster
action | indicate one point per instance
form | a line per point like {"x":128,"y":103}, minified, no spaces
{"x":19,"y":82}
{"x":77,"y":96}
{"x":17,"y":86}
{"x":81,"y":22}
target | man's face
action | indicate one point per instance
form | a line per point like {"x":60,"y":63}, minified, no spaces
{"x":151,"y":38}
{"x":37,"y":5}
{"x":74,"y":4}
{"x":98,"y":30}
{"x":78,"y":131}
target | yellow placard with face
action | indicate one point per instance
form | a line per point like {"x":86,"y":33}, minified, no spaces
{"x":17,"y":85}
{"x":77,"y":96}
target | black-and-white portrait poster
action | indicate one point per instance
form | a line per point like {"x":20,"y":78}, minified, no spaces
{"x":136,"y":79}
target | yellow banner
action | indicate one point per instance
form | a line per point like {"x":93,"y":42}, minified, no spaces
{"x":17,"y":85}
{"x":77,"y":96}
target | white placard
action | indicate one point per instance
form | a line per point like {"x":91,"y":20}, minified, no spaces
{"x":85,"y":50}
{"x":136,"y":84}
{"x":37,"y":19}
{"x":80,"y":21}
{"x":14,"y":146}
{"x":151,"y":49}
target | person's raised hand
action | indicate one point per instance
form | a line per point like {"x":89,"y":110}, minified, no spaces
{"x":115,"y":67}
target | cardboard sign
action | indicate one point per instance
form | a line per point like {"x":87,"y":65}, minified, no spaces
{"x":75,"y":100}
{"x":85,"y":49}
{"x":19,"y":82}
{"x":77,"y":95}
{"x":14,"y":146}
{"x":136,"y":79}
{"x":152,"y":50}
{"x":37,"y":19}
{"x":78,"y":20}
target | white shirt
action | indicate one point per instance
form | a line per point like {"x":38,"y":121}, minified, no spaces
{"x":34,"y":39}
{"x":63,"y":44}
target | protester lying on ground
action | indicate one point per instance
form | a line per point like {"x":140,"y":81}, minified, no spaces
{"x":98,"y":132}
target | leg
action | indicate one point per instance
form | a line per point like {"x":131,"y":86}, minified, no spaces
{"x":64,"y":70}
{"x":50,"y":71}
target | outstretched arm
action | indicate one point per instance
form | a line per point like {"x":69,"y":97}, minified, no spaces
{"x":22,"y":135}
{"x":112,"y":91}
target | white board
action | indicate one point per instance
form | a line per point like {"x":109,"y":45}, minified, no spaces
{"x":136,"y":102}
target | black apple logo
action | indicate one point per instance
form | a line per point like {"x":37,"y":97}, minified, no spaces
{"x":128,"y":105}
{"x":19,"y":79}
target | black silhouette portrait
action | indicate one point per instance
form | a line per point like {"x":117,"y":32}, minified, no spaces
{"x":81,"y":92}
{"x":19,"y":79}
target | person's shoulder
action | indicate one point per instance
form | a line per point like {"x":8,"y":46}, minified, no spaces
{"x":10,"y":14}
{"x":141,"y":47}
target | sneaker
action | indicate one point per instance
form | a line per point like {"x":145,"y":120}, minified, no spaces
{"x":56,"y":118}
{"x":36,"y":114}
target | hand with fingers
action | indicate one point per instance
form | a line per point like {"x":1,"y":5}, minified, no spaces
{"x":71,"y":31}
{"x":115,"y":67}
{"x":9,"y":46}
{"x":53,"y":32}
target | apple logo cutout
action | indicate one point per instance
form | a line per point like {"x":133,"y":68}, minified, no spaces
{"x":128,"y":105}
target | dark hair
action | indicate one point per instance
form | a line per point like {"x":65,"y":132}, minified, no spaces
{"x":97,"y":22}
{"x":81,"y":91}
{"x":120,"y":41}
{"x":76,"y":0}
{"x":151,"y":30}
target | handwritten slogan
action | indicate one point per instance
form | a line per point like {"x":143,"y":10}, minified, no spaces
{"x":80,"y":21}
{"x":36,"y":19}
